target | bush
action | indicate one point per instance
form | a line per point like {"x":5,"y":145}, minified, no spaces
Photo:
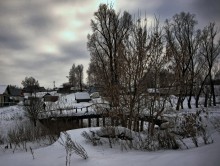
{"x":20,"y":136}
{"x":72,"y":147}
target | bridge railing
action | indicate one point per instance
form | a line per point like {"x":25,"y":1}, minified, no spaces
{"x":72,"y":111}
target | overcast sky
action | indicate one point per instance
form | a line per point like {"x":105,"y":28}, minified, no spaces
{"x":43,"y":38}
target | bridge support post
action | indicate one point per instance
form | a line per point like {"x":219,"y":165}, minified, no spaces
{"x":81,"y":123}
{"x":142,"y":125}
{"x":89,"y":122}
{"x":103,"y":120}
{"x":77,"y":121}
{"x":112,"y":121}
{"x":138,"y":126}
{"x":97,"y":122}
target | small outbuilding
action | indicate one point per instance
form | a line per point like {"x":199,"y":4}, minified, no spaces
{"x":82,"y":97}
{"x":49,"y":98}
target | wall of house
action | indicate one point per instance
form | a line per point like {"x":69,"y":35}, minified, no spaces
{"x":1,"y":101}
{"x":4,"y":100}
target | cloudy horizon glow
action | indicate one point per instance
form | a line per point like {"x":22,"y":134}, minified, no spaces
{"x":43,"y":38}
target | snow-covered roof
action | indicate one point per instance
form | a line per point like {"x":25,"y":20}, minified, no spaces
{"x":3,"y":88}
{"x":82,"y":95}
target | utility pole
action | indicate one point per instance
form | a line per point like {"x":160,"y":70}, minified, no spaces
{"x":54,"y":85}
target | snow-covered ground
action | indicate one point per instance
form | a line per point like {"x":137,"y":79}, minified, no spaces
{"x":10,"y":117}
{"x":55,"y":154}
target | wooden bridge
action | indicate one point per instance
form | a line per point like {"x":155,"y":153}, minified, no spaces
{"x":87,"y":117}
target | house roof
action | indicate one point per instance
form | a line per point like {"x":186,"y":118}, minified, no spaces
{"x":3,"y":88}
{"x":82,"y":95}
{"x":15,"y":91}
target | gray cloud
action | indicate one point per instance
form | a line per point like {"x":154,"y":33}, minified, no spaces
{"x":41,"y":24}
{"x":75,"y":50}
{"x":208,"y":9}
{"x":12,"y":41}
{"x":43,"y":38}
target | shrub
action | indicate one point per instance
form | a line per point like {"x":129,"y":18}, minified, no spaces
{"x":72,"y":147}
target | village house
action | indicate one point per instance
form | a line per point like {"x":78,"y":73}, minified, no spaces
{"x":15,"y":94}
{"x":48,"y":97}
{"x":10,"y":95}
{"x":4,"y":95}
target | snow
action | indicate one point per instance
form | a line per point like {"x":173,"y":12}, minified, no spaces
{"x":10,"y":117}
{"x":102,"y":155}
{"x":68,"y":106}
{"x":82,"y":95}
{"x":95,"y":95}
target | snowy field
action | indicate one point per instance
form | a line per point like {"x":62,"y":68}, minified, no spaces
{"x":103,"y":155}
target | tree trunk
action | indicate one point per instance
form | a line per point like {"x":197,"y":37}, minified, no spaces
{"x":35,"y":122}
{"x":190,"y":95}
{"x":200,"y":91}
{"x":206,"y":99}
{"x":197,"y":100}
{"x":178,"y":103}
{"x":151,"y":128}
{"x":182,"y":100}
{"x":189,"y":101}
{"x":212,"y":90}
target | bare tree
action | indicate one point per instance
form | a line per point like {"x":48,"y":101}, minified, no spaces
{"x":157,"y":64}
{"x":76,"y":76}
{"x":92,"y":77}
{"x":210,"y":50}
{"x":123,"y":62}
{"x":33,"y":110}
{"x":79,"y":75}
{"x":72,"y":76}
{"x":35,"y":105}
{"x":201,"y":75}
{"x":108,"y":31}
{"x":134,"y":63}
{"x":182,"y":46}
